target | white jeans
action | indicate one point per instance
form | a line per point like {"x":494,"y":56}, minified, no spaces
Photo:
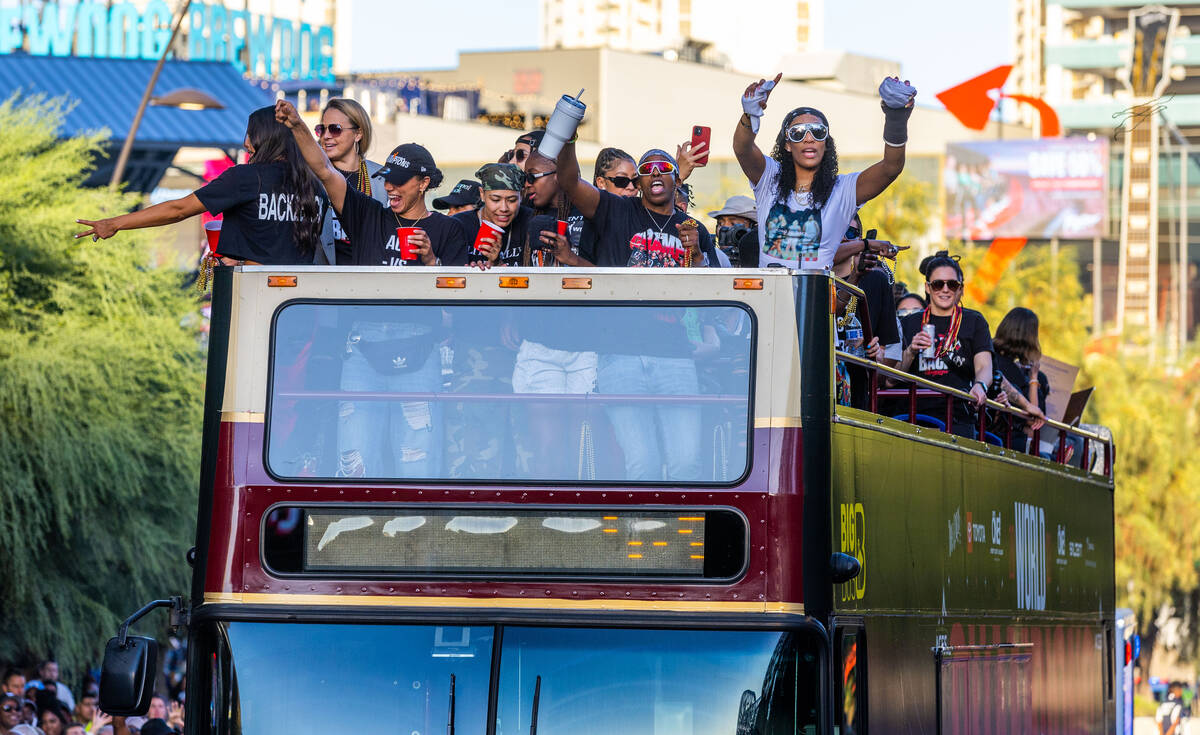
{"x":540,"y":369}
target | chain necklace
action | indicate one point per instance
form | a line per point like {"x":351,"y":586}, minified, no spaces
{"x":364,"y":179}
{"x":654,"y":222}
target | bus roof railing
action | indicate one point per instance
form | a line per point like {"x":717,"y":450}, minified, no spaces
{"x":913,"y":381}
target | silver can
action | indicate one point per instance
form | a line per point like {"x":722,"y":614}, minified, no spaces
{"x":930,"y":351}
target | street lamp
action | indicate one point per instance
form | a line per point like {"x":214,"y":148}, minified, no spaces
{"x":123,"y":158}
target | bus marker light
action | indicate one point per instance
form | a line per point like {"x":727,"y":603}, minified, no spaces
{"x":697,"y":556}
{"x":685,"y":530}
{"x":660,"y":543}
{"x":747,"y":284}
{"x":577,"y":283}
{"x":635,"y":556}
{"x":691,"y":518}
{"x":451,"y":282}
{"x":514,"y":281}
{"x":635,"y":543}
{"x":281,"y":281}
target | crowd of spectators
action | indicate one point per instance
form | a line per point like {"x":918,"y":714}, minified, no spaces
{"x":37,"y":702}
{"x":301,"y":198}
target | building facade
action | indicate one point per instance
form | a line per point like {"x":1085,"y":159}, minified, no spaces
{"x":748,"y":37}
{"x":1090,"y":62}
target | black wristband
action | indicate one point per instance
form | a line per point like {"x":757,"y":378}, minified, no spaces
{"x":895,"y":125}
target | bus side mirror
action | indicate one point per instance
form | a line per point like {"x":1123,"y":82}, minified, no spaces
{"x":131,"y":664}
{"x":127,"y":675}
{"x":843,"y":567}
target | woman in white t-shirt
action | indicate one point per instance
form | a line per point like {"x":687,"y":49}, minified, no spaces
{"x":803,"y":203}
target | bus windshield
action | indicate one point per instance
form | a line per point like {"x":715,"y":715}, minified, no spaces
{"x":345,"y":678}
{"x":653,"y":392}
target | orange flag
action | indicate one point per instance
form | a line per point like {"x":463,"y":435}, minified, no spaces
{"x":995,"y":262}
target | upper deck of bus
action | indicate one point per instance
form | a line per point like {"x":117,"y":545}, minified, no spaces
{"x":275,"y":436}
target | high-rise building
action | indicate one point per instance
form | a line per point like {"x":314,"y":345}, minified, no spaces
{"x":747,"y":37}
{"x":1137,"y":82}
{"x":1073,"y":54}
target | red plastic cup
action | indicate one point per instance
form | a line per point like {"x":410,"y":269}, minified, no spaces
{"x":562,"y":227}
{"x":487,"y":229}
{"x":407,"y":251}
{"x":212,"y":230}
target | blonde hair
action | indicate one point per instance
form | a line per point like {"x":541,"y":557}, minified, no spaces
{"x":357,"y":115}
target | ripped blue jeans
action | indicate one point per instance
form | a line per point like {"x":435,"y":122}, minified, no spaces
{"x":384,"y":439}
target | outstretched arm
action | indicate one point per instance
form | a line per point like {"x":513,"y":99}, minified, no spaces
{"x":164,"y":213}
{"x":331,"y":178}
{"x":748,"y":155}
{"x":583,"y":195}
{"x":896,"y":112}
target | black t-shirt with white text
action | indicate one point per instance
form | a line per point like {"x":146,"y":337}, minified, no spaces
{"x":372,"y":230}
{"x":260,"y":214}
{"x":512,"y":242}
{"x":955,"y":368}
{"x":627,"y":234}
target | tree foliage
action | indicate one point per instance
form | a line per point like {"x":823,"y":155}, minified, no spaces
{"x":902,"y":212}
{"x":101,"y":380}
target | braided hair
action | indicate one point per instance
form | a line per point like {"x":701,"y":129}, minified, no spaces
{"x":607,"y":158}
{"x":827,"y":170}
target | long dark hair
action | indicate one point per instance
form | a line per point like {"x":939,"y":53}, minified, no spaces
{"x":272,"y":141}
{"x":827,"y":170}
{"x":1017,"y":336}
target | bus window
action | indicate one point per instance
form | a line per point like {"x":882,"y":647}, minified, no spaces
{"x":852,"y":681}
{"x":597,"y":682}
{"x":651,"y":392}
{"x":294,"y":678}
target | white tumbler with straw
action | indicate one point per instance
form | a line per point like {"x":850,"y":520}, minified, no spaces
{"x":562,"y":125}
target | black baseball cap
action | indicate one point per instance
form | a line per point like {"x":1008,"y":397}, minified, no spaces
{"x":464,"y":192}
{"x":532,"y":139}
{"x":406,"y":161}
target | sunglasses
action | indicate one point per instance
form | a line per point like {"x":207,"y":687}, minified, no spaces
{"x":530,"y":178}
{"x":938,"y":285}
{"x":334,"y":129}
{"x":622,"y":182}
{"x":519,"y":154}
{"x":852,"y":233}
{"x":796,"y":133}
{"x":9,"y":708}
{"x":649,"y":168}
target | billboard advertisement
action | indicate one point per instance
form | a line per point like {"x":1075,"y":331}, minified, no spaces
{"x":1052,"y":187}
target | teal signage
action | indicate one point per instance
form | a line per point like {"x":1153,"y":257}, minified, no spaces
{"x":263,"y":46}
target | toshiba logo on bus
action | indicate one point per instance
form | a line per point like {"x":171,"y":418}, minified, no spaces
{"x":258,"y":45}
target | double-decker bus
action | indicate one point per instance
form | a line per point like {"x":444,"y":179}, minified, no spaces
{"x":614,"y":501}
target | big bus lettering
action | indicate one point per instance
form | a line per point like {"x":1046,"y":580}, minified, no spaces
{"x":734,"y":635}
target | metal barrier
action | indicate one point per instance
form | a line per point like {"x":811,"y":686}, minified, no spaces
{"x":919,"y":387}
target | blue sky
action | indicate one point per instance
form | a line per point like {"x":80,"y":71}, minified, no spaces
{"x":938,"y":42}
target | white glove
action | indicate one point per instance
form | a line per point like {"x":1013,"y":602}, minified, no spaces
{"x":895,"y":93}
{"x":752,"y":105}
